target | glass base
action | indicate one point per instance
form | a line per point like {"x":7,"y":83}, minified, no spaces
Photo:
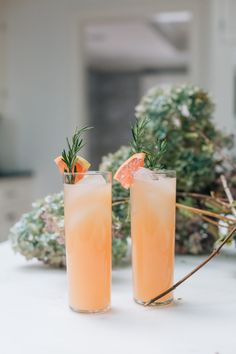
{"x":156,"y":303}
{"x":91,"y":311}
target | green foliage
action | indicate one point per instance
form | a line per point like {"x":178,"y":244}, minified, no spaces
{"x":181,"y":116}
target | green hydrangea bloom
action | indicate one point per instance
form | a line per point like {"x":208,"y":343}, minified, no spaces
{"x":183,"y":116}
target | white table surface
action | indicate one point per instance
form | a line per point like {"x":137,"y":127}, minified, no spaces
{"x":35,"y":318}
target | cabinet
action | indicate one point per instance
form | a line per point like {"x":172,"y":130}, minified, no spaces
{"x":15,"y":199}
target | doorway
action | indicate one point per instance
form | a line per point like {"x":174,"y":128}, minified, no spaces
{"x":125,"y":58}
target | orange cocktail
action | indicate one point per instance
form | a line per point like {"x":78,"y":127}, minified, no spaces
{"x":88,"y":241}
{"x":153,"y":197}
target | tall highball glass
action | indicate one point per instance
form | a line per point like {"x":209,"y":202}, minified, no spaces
{"x":153,"y":199}
{"x":88,"y":240}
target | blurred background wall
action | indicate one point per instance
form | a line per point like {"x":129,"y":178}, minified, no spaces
{"x":51,"y":77}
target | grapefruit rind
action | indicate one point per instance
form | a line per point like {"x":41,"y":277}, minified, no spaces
{"x":81,"y":166}
{"x":124,"y":175}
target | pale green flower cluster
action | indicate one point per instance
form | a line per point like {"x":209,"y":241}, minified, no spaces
{"x":40,"y":233}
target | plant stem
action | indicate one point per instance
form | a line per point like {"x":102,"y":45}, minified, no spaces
{"x":210,"y":221}
{"x":194,"y":195}
{"x":205,"y":212}
{"x":120,"y":201}
{"x":204,"y":197}
{"x":187,"y":276}
{"x":228,"y":193}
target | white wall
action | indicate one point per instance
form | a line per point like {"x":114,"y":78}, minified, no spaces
{"x":39,"y":86}
{"x":45,"y":72}
{"x":2,"y":56}
{"x":222,"y":68}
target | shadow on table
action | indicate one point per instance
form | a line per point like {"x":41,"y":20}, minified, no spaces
{"x":38,"y":268}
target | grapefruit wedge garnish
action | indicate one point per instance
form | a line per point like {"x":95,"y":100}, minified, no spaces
{"x":81,"y":166}
{"x":124,"y":174}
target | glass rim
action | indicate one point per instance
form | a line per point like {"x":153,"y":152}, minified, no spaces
{"x":165,"y":172}
{"x":87,"y":173}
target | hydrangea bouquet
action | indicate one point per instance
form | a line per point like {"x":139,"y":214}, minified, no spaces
{"x":196,"y":150}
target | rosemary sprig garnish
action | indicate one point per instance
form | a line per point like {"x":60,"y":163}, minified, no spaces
{"x":138,"y":133}
{"x":154,"y":150}
{"x":76,"y":144}
{"x":154,"y":156}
